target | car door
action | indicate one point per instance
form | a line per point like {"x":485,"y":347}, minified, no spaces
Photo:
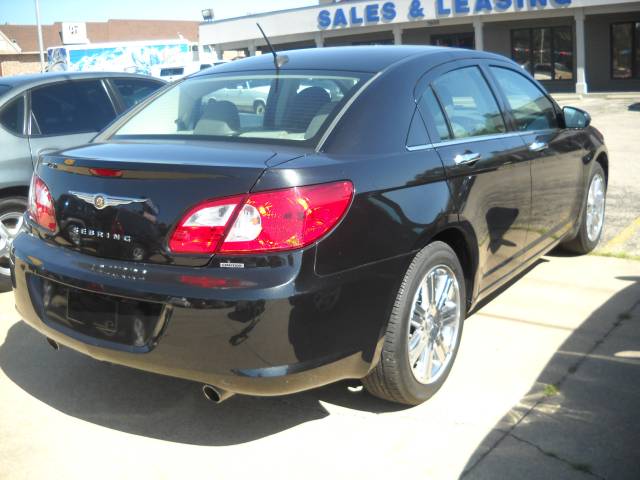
{"x":487,"y":169}
{"x":67,"y":114}
{"x":15,"y":159}
{"x":556,"y":154}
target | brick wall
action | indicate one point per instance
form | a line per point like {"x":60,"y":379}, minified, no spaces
{"x":19,"y":64}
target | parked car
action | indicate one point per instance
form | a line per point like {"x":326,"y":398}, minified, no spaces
{"x":52,"y":111}
{"x":331,"y":240}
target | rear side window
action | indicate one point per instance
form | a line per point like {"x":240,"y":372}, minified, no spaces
{"x":71,"y":107}
{"x":531,"y":109}
{"x":12,"y":116}
{"x":431,"y":108}
{"x":133,"y":91}
{"x":468,"y":103}
{"x":417,"y":136}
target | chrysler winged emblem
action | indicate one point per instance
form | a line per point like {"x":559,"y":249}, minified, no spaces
{"x":102,"y":201}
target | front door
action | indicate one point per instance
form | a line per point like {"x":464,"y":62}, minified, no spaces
{"x":556,"y":157}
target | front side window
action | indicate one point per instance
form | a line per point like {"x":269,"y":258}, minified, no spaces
{"x":531,"y":109}
{"x":468,"y":103}
{"x":133,"y":91}
{"x":274,"y":108}
{"x":546,"y":53}
{"x":12,"y":116}
{"x":625,"y":50}
{"x":71,"y":107}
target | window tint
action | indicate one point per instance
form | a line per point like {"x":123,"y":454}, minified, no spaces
{"x":168,"y":72}
{"x":468,"y":103}
{"x":431,"y":109}
{"x":133,"y":91}
{"x":71,"y":107}
{"x":12,"y":116}
{"x":530,"y":108}
{"x":417,"y":132}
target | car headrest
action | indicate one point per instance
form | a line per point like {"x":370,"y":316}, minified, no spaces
{"x":218,"y":118}
{"x":304,"y":107}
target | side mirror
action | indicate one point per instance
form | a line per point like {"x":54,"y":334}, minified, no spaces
{"x":576,"y":118}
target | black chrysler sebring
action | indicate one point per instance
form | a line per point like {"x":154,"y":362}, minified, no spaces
{"x":343,"y":231}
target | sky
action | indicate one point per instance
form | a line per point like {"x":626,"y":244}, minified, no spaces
{"x":23,"y":11}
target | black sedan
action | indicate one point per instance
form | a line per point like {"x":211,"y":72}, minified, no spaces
{"x":343,"y":232}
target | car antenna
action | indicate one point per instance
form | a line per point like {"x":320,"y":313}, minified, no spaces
{"x":278,"y":60}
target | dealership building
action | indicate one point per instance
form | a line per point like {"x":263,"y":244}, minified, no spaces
{"x":569,"y":45}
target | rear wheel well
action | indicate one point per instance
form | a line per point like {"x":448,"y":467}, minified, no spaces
{"x":460,"y":245}
{"x":14,"y":192}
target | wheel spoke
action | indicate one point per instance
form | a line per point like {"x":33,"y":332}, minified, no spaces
{"x":431,"y":288}
{"x":444,"y":293}
{"x":414,"y":353}
{"x":4,"y":232}
{"x":449,"y":313}
{"x":440,"y":350}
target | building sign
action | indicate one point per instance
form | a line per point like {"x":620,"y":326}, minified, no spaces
{"x":74,"y":33}
{"x":387,"y":12}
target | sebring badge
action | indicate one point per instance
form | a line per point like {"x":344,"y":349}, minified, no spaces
{"x":102,"y":201}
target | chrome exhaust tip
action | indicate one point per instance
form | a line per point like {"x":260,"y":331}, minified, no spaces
{"x":53,"y":344}
{"x":215,"y":394}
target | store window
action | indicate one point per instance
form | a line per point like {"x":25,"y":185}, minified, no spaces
{"x":546,"y":53}
{"x":625,"y":50}
{"x":458,"y":40}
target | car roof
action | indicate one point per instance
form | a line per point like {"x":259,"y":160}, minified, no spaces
{"x":371,"y":59}
{"x":24,"y":82}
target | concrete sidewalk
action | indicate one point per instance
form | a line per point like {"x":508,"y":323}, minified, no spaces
{"x":547,"y":385}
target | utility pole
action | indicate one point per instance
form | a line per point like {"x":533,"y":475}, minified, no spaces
{"x":39,"y":36}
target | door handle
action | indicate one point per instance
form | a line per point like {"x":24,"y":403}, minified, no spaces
{"x":467,"y":158}
{"x":538,"y":146}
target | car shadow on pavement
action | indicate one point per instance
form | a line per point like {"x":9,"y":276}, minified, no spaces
{"x":580,"y":417}
{"x":157,"y":406}
{"x":634,"y":107}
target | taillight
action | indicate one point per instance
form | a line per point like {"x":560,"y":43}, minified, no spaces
{"x":273,"y":221}
{"x":41,"y":208}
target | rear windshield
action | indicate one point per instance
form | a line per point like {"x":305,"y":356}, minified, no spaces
{"x":167,"y":72}
{"x":284,"y":108}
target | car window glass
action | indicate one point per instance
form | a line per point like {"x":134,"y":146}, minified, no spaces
{"x":275,"y":108}
{"x":12,"y":116}
{"x":417,"y":132}
{"x":531,"y":109}
{"x":133,"y":90}
{"x":71,"y":107}
{"x":430,"y":107}
{"x":468,"y":103}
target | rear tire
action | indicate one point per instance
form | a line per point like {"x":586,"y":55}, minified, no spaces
{"x":11,"y":211}
{"x":397,"y":377}
{"x":589,"y":234}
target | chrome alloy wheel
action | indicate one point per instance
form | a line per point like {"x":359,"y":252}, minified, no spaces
{"x":595,"y":207}
{"x":10,"y":225}
{"x":434,"y":324}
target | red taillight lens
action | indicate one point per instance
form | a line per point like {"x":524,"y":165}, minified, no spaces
{"x":41,"y":208}
{"x":105,"y":172}
{"x":279,"y":220}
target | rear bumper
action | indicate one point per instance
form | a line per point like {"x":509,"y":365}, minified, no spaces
{"x":263,"y":330}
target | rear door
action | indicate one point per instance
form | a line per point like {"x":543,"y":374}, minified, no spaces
{"x":15,"y":159}
{"x":556,"y":155}
{"x":489,"y":174}
{"x":67,"y":114}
